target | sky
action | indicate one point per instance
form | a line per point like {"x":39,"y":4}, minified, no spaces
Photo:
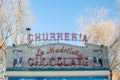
{"x":61,"y":15}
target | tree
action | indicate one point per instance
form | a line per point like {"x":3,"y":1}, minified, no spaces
{"x":102,"y":31}
{"x":14,"y":18}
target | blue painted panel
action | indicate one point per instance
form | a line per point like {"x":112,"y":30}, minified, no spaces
{"x":59,"y":78}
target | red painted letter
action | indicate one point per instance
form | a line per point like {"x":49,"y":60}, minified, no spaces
{"x":37,"y":37}
{"x":52,"y":36}
{"x":44,"y":61}
{"x":59,"y":61}
{"x":66,"y":36}
{"x":30,"y":62}
{"x":85,"y":61}
{"x":74,"y":36}
{"x":51,"y":49}
{"x":59,"y":36}
{"x":51,"y":63}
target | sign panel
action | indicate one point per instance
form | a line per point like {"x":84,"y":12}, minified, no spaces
{"x":57,"y":56}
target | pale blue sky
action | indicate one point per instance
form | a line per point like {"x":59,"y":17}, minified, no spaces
{"x":61,"y":15}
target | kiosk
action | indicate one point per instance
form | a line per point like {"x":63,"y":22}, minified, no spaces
{"x":57,"y":60}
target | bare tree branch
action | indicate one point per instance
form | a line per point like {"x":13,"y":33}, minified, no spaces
{"x":102,"y":31}
{"x":13,"y":19}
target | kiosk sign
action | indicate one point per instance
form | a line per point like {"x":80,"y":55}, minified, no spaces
{"x":57,"y":56}
{"x":60,"y":57}
{"x":57,"y":36}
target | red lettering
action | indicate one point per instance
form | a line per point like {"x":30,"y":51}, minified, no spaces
{"x":51,"y":61}
{"x":65,"y":62}
{"x":37,"y":61}
{"x":80,"y":59}
{"x":80,"y":56}
{"x":61,"y":50}
{"x":85,"y":61}
{"x":74,"y":36}
{"x":66,"y":51}
{"x":59,"y":61}
{"x":57,"y":50}
{"x":52,"y":36}
{"x":59,"y":36}
{"x":39,"y":52}
{"x":67,"y":36}
{"x":70,"y":50}
{"x":51,"y":49}
{"x":30,"y":62}
{"x":75,"y":52}
{"x":46,"y":37}
{"x":73,"y":62}
{"x":37,"y":37}
{"x":44,"y":61}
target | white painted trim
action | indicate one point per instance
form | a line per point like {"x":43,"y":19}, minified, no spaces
{"x":56,"y":73}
